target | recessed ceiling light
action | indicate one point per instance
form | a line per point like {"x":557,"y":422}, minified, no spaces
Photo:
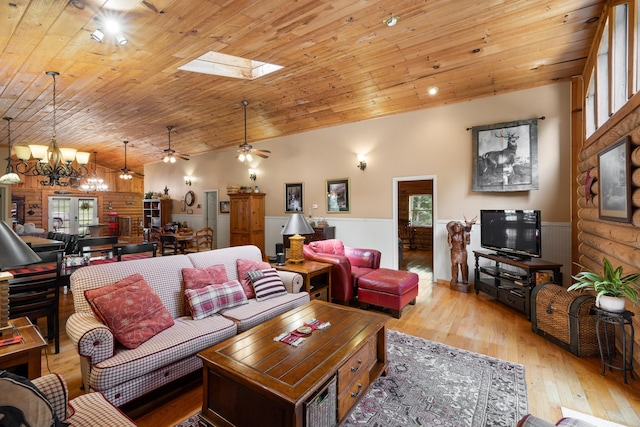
{"x":391,"y":20}
{"x":432,"y":90}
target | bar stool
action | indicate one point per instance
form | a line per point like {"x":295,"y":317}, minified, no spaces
{"x":624,"y":323}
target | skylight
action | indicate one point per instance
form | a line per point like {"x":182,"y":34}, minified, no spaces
{"x":220,"y":64}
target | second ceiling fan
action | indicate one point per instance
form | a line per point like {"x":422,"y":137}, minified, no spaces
{"x":125,"y":172}
{"x":245,"y":151}
{"x":170,"y":155}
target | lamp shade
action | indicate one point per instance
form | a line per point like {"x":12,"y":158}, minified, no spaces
{"x":297,"y":224}
{"x":14,"y":251}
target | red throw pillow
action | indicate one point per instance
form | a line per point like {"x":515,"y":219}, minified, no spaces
{"x":134,"y":313}
{"x":197,"y":278}
{"x":206,"y":301}
{"x":92,"y":294}
{"x":245,"y":266}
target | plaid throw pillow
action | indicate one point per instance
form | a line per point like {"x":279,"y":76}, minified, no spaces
{"x":267,"y":284}
{"x":209,"y":300}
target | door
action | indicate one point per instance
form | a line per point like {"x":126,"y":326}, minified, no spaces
{"x":72,"y":215}
{"x":414,"y":220}
{"x":211,"y":213}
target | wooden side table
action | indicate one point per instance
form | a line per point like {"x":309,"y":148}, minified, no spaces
{"x":27,"y":352}
{"x":316,"y":276}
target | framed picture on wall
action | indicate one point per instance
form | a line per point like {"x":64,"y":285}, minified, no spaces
{"x":293,"y":198}
{"x":225,"y":207}
{"x":614,"y":187}
{"x":505,"y":156}
{"x":338,"y":195}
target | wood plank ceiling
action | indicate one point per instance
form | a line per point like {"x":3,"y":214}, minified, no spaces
{"x":341,"y":64}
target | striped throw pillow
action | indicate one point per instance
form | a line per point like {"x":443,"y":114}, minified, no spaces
{"x":267,"y":284}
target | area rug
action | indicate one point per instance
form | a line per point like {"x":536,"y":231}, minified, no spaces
{"x":432,"y":384}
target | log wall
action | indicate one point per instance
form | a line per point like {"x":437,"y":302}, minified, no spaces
{"x":123,"y":197}
{"x":596,"y":237}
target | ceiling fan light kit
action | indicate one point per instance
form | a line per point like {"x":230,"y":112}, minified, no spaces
{"x":246,"y":151}
{"x":171,"y":155}
{"x":10,"y":177}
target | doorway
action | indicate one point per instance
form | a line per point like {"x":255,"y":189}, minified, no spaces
{"x":414,"y":219}
{"x":211,"y":213}
{"x":72,"y":215}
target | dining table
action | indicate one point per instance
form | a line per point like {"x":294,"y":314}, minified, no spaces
{"x":42,"y":243}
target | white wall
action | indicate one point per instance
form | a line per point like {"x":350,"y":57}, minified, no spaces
{"x":434,"y":142}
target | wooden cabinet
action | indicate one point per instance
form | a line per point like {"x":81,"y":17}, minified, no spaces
{"x":247,"y":219}
{"x":511,"y":281}
{"x":319,"y":233}
{"x":156,"y":212}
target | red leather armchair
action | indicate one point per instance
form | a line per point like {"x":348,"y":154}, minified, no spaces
{"x":348,"y":265}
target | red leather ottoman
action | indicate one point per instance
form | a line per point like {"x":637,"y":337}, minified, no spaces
{"x":392,"y":289}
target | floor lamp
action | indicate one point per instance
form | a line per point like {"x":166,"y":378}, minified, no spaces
{"x":296,"y":226}
{"x":14,"y":252}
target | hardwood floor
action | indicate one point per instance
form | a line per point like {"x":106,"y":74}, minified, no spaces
{"x":476,"y":323}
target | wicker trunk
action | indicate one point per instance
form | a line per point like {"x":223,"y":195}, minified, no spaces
{"x":565,"y":318}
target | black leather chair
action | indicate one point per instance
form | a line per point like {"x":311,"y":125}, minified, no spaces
{"x":34,"y":293}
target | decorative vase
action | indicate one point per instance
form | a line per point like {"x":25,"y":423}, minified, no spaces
{"x":612,"y":304}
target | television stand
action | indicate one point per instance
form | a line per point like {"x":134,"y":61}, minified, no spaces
{"x":509,"y":286}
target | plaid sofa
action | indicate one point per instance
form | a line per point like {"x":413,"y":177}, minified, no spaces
{"x":121,"y":374}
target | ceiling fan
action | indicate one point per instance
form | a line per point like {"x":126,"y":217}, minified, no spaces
{"x":169,"y":154}
{"x":125,"y":172}
{"x":246,"y":151}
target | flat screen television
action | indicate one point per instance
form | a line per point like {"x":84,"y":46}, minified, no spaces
{"x":511,"y":233}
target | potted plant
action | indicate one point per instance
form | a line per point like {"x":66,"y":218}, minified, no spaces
{"x":611,"y":287}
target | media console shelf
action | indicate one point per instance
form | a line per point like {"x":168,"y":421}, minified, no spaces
{"x":510,"y":286}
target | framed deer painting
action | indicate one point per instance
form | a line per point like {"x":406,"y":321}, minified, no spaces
{"x":505,"y":156}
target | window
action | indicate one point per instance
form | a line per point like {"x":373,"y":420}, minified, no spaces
{"x":421,"y":210}
{"x":620,"y":57}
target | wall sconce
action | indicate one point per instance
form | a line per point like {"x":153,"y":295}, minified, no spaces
{"x":187,"y":180}
{"x":362,"y":163}
{"x":252,"y":175}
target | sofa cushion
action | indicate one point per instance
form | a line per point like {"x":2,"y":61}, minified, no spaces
{"x":267,"y":284}
{"x":133,"y":313}
{"x":153,"y":360}
{"x":196,"y":278}
{"x":91,"y":294}
{"x":204,"y":302}
{"x":255,"y":313}
{"x":244,"y":266}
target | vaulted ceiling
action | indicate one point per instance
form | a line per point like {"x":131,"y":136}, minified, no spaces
{"x":341,"y":64}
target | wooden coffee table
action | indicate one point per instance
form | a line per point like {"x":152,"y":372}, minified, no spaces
{"x":251,"y":380}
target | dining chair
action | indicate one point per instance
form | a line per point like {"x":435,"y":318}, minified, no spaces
{"x":34,"y":293}
{"x":169,"y":244}
{"x":203,"y":239}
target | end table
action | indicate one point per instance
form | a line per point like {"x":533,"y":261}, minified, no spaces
{"x":316,"y":277}
{"x":25,"y":353}
{"x":624,"y":322}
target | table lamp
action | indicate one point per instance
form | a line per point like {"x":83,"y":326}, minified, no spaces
{"x":296,"y":225}
{"x":14,"y":252}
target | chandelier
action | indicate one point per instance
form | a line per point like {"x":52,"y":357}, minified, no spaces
{"x":10,"y":177}
{"x":53,"y":163}
{"x":94,"y":183}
